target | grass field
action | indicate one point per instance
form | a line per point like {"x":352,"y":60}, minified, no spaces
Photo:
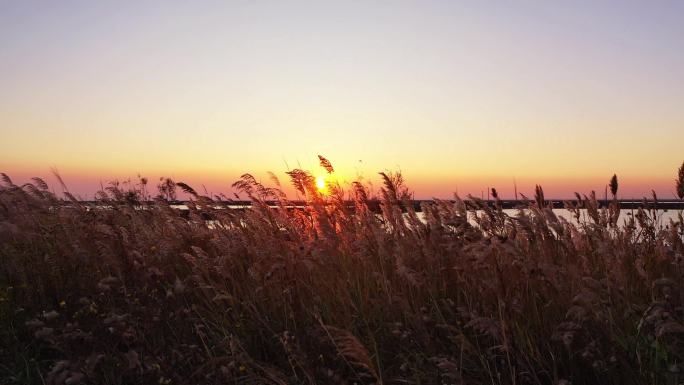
{"x":134,"y":291}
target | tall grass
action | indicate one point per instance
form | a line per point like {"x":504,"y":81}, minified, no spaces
{"x":131,"y":290}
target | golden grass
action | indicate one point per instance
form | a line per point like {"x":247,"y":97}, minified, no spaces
{"x":135,"y":291}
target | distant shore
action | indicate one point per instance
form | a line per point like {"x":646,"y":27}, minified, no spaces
{"x":665,"y":204}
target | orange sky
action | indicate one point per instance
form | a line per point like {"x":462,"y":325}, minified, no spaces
{"x":460,"y":96}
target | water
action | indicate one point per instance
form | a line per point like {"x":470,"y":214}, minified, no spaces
{"x":663,"y":217}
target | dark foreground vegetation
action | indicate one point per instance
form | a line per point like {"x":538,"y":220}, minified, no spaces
{"x":135,"y":291}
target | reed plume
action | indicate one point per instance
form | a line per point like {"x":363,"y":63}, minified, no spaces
{"x":360,"y":290}
{"x":679,"y":182}
{"x":613,"y":185}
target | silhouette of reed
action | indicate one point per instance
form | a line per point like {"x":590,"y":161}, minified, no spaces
{"x":132,"y":290}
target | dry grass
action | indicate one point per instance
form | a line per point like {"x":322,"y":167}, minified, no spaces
{"x":134,"y":291}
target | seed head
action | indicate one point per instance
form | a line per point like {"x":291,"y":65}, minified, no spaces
{"x":680,"y":182}
{"x":614,"y":185}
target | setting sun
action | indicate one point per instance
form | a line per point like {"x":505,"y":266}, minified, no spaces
{"x":320,"y":183}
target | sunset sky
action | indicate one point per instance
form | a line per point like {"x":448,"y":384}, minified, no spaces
{"x":459,"y":96}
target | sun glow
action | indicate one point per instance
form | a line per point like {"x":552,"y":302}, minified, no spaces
{"x":320,"y":184}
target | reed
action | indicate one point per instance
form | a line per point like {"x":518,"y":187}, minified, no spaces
{"x":679,"y":182}
{"x":132,"y":290}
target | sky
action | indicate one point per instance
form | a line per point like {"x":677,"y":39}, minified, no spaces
{"x":460,"y":96}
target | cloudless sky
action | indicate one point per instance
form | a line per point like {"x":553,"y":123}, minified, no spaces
{"x":458,"y":95}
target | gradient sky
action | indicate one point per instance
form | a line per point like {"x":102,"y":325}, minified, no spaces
{"x":457,"y":95}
